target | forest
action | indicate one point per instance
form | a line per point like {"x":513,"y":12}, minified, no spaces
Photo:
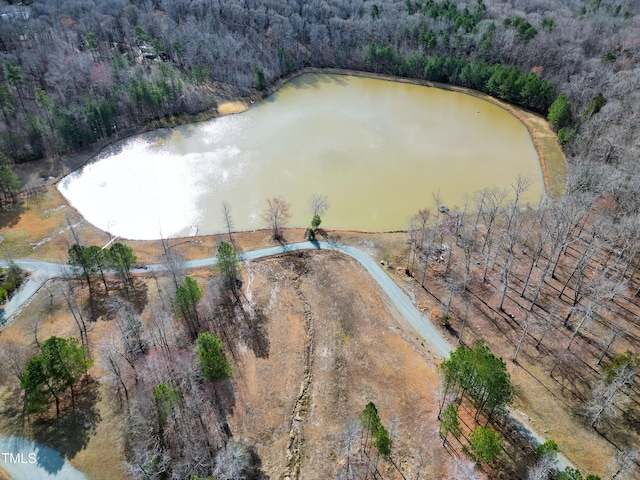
{"x":74,"y":74}
{"x":561,"y":280}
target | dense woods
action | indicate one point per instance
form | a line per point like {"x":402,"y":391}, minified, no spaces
{"x":559,"y":283}
{"x":74,"y":74}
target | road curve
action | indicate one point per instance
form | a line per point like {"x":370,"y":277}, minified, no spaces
{"x":421,"y":324}
{"x":24,"y":459}
{"x":438,"y":345}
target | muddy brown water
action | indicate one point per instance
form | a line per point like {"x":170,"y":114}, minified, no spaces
{"x":377,"y":149}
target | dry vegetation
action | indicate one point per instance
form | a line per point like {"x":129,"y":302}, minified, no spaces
{"x":552,"y":382}
{"x":320,"y":345}
{"x":333,"y":347}
{"x":556,"y":287}
{"x":312,"y":341}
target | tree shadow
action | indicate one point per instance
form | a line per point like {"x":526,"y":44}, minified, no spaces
{"x":314,"y":80}
{"x":256,"y":462}
{"x":97,"y":304}
{"x":238,"y":318}
{"x":255,"y":333}
{"x":70,"y":433}
{"x":223,"y":395}
{"x":621,"y":430}
{"x":138,"y":296}
{"x":517,"y":455}
{"x":12,"y":413}
{"x":571,"y":376}
{"x":10,"y":217}
{"x":99,"y":308}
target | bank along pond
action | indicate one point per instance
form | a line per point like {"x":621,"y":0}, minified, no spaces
{"x":377,"y":149}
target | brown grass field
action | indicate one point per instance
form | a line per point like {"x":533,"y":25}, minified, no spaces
{"x":361,"y":350}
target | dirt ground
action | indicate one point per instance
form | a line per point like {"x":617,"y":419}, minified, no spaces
{"x":326,"y":319}
{"x":540,"y":399}
{"x":41,"y":231}
{"x":232,"y":107}
{"x":334,"y":347}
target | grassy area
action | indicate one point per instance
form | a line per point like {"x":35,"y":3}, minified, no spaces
{"x":44,"y":229}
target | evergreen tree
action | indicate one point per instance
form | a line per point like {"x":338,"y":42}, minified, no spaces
{"x":185,"y":304}
{"x":212,"y":362}
{"x":560,"y":112}
{"x":59,"y":367}
{"x":485,"y":444}
{"x":227,"y":264}
{"x":122,"y":258}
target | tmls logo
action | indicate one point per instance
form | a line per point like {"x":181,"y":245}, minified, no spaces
{"x":19,"y":458}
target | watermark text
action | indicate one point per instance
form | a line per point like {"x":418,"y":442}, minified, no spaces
{"x":18,"y":457}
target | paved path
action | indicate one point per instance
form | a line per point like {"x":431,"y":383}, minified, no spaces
{"x":23,"y":459}
{"x":422,"y":324}
{"x":43,"y":271}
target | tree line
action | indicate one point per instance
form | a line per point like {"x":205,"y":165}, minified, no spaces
{"x":73,"y":76}
{"x":475,"y":375}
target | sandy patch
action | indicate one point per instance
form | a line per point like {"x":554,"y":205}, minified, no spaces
{"x":232,"y":107}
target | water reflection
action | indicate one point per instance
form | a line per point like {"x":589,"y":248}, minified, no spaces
{"x":377,"y":149}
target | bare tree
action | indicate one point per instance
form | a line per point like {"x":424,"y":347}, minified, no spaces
{"x":548,"y":321}
{"x":13,"y":358}
{"x":76,"y":311}
{"x":525,"y":330}
{"x":616,"y":331}
{"x":453,"y":286}
{"x":562,"y":218}
{"x":468,"y":243}
{"x":542,"y":469}
{"x":129,"y":325}
{"x":604,"y":394}
{"x":600,"y":289}
{"x":535,"y":241}
{"x":489,"y":209}
{"x":115,"y":364}
{"x":625,"y":464}
{"x":568,"y":213}
{"x":418,"y":225}
{"x":462,"y":468}
{"x":276,"y":215}
{"x":507,"y":248}
{"x":318,"y":204}
{"x":514,"y":218}
{"x":350,"y":433}
{"x":629,"y":230}
{"x":228,"y":219}
{"x":162,"y":331}
{"x":173,"y":263}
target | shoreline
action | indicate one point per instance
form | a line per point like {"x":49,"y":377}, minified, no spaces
{"x":552,"y":163}
{"x":59,"y":168}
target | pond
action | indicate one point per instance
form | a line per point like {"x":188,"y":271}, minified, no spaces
{"x":377,"y":149}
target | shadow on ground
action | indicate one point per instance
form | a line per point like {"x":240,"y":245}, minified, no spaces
{"x":10,"y":218}
{"x":71,"y":432}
